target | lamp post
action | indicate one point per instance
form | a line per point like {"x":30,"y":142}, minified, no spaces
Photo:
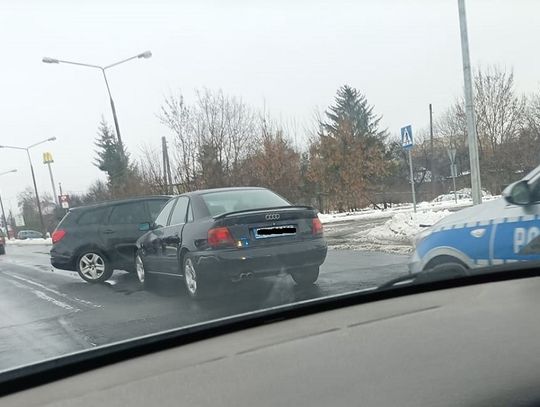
{"x":146,"y":55}
{"x":27,"y":149}
{"x":476,"y":185}
{"x":4,"y":220}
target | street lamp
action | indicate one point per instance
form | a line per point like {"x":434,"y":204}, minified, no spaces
{"x":27,"y":149}
{"x":476,"y":184}
{"x":2,"y":204}
{"x":146,"y":55}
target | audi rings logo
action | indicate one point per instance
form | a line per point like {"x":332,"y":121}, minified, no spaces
{"x":272,"y":216}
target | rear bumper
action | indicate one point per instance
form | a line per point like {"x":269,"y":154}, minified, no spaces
{"x":261,"y":261}
{"x":63,"y":261}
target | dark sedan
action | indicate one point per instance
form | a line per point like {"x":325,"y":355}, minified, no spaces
{"x":221,"y":235}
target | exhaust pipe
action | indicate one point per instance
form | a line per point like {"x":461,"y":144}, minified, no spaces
{"x":244,"y":276}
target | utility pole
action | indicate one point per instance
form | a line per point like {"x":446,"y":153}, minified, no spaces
{"x":431,"y":160}
{"x":476,"y":186}
{"x":166,"y":166}
{"x":412,"y":181}
{"x":171,"y":190}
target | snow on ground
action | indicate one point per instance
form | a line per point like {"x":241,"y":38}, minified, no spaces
{"x":29,"y":242}
{"x":442,"y":202}
{"x":367,"y":214}
{"x":359,"y":215}
{"x":403,"y":227}
{"x":391,"y":230}
{"x":394,"y":235}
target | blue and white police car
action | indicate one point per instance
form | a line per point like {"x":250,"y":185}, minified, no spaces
{"x":499,"y":232}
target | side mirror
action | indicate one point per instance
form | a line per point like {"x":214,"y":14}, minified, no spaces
{"x":518,"y":193}
{"x":145,"y":227}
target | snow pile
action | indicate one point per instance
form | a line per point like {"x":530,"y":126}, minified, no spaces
{"x":451,"y":197}
{"x":29,"y":242}
{"x":463,"y":194}
{"x":404,"y":226}
{"x":363,"y":214}
{"x":405,"y":208}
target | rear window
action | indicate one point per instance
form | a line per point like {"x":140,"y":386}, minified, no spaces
{"x":241,"y":200}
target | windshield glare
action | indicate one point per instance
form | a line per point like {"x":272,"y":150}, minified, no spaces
{"x":345,"y":144}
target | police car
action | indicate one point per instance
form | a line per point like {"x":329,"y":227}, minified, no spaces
{"x":499,"y":232}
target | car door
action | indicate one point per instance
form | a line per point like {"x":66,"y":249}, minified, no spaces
{"x":152,"y":245}
{"x":517,"y":231}
{"x":171,"y":239}
{"x":121,"y":231}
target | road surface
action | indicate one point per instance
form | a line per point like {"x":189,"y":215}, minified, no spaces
{"x":45,"y":312}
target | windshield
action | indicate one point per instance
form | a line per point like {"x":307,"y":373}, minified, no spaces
{"x":232,"y":201}
{"x":347,"y":146}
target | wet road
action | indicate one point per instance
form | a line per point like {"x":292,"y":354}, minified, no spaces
{"x":45,"y":312}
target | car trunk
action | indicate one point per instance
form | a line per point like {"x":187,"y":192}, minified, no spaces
{"x":256,"y":228}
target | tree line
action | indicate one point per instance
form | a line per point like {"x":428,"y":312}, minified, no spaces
{"x":348,"y":161}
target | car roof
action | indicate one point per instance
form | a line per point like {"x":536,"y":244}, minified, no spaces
{"x":210,"y":190}
{"x":120,"y":201}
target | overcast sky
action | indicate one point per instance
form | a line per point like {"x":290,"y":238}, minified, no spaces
{"x":290,"y":56}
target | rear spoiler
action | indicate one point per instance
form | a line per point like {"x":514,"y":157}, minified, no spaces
{"x":273,"y":208}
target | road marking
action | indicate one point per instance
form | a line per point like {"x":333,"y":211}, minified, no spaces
{"x":74,"y":299}
{"x":41,"y":268}
{"x":43,"y":296}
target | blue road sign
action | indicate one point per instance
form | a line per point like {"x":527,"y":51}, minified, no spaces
{"x":406,"y":137}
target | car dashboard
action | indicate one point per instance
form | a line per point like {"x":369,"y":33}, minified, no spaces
{"x":470,"y":345}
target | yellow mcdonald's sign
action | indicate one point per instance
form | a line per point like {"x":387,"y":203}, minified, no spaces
{"x":47,"y":158}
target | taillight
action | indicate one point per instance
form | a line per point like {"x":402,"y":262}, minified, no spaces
{"x":220,"y":237}
{"x":58,"y":235}
{"x":316,"y":227}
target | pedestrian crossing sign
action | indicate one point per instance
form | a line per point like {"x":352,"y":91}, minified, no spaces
{"x":406,"y":137}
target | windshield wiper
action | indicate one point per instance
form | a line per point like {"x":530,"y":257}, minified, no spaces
{"x":439,"y":273}
{"x":459,"y":276}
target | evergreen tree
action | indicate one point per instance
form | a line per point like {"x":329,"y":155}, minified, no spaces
{"x":347,"y":159}
{"x":113,"y":160}
{"x":352,"y":117}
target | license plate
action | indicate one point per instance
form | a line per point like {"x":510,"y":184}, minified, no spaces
{"x":275,"y":231}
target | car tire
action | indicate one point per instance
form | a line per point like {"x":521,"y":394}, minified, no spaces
{"x":94,"y":267}
{"x":146,"y":280}
{"x":197,"y":286}
{"x":2,"y":250}
{"x":447,"y":264}
{"x":305,"y":276}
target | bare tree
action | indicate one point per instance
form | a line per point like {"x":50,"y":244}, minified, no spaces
{"x":179,"y":119}
{"x":211,"y":137}
{"x":500,"y":118}
{"x":150,"y":170}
